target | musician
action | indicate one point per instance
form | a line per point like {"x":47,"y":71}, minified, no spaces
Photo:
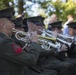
{"x":72,"y":31}
{"x":19,"y":26}
{"x":11,"y":55}
{"x":56,"y":28}
{"x":72,"y":50}
{"x":34,"y":25}
{"x":49,"y":62}
{"x":71,"y":53}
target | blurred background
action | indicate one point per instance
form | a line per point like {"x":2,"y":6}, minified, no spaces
{"x":61,"y":8}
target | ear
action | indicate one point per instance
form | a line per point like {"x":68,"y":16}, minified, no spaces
{"x":2,"y":25}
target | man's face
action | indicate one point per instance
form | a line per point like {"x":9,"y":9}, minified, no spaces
{"x":53,"y":18}
{"x":72,"y":31}
{"x":57,"y":29}
{"x":35,"y":27}
{"x":41,"y":28}
{"x":31,"y":26}
{"x":9,"y":25}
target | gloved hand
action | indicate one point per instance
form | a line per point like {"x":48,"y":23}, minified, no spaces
{"x":63,"y":48}
{"x":34,"y":37}
{"x":55,"y":33}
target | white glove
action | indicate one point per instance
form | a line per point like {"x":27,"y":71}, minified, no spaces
{"x":63,"y":48}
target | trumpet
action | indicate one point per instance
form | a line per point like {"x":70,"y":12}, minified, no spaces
{"x":61,"y":35}
{"x":64,"y":42}
{"x":47,"y":45}
{"x":65,"y":39}
{"x":48,"y":31}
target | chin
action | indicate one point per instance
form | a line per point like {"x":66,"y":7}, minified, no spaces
{"x":10,"y":34}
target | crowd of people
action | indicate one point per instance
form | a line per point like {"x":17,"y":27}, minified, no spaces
{"x":26,"y":56}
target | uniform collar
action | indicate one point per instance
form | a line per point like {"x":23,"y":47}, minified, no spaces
{"x":4,"y":35}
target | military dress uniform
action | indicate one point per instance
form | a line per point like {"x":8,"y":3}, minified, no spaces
{"x":71,"y":52}
{"x":13,"y":58}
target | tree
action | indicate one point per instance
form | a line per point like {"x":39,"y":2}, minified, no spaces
{"x":68,"y":8}
{"x":20,"y":6}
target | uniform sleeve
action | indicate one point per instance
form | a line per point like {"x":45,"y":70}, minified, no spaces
{"x":47,"y":53}
{"x":72,"y":51}
{"x":14,"y":53}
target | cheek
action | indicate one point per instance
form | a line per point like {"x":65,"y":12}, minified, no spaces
{"x":10,"y":27}
{"x":71,"y":32}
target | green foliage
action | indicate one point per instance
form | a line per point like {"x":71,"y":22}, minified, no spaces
{"x":44,"y":4}
{"x":5,"y":3}
{"x":64,"y":9}
{"x":0,"y":4}
{"x":68,"y":8}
